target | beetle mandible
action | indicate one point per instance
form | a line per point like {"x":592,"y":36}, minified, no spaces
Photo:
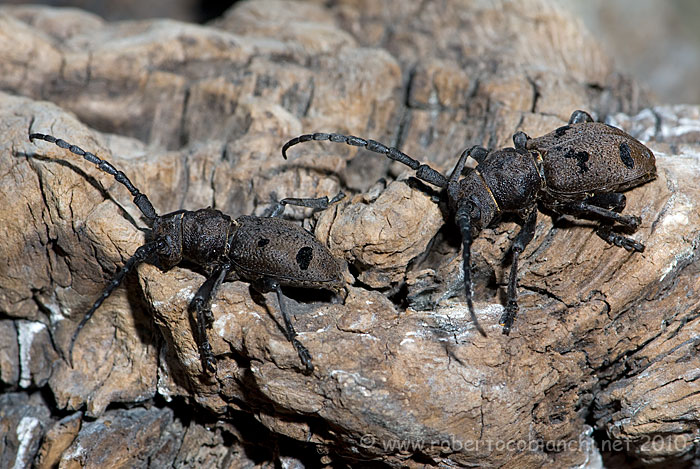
{"x":267,"y":251}
{"x":580,"y":169}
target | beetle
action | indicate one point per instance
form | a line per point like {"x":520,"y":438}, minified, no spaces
{"x":268,"y":252}
{"x":579,"y":169}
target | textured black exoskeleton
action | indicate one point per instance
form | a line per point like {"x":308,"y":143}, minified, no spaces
{"x":579,"y":169}
{"x":268,"y":252}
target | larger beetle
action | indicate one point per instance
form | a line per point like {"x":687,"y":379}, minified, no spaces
{"x":580,"y":169}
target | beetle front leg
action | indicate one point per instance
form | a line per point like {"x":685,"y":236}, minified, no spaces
{"x":141,"y":255}
{"x":527,"y":232}
{"x":477,"y":152}
{"x":201,"y":306}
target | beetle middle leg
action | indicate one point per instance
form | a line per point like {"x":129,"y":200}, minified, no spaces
{"x":201,"y":306}
{"x":527,"y":232}
{"x":611,"y":237}
{"x":615,"y":201}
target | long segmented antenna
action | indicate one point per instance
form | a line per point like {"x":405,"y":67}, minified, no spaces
{"x":423,"y":171}
{"x":141,"y":255}
{"x":463,"y":220}
{"x":140,"y":199}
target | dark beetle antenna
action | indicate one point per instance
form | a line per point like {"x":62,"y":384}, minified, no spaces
{"x":141,"y":255}
{"x":423,"y":172}
{"x":463,"y":221}
{"x":140,"y":199}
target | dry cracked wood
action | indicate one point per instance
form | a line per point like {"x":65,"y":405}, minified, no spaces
{"x":196,"y":116}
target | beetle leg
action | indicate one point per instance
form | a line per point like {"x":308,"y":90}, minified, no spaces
{"x":320,"y":203}
{"x":479,"y":153}
{"x":201,"y":305}
{"x":141,"y":255}
{"x":527,"y":232}
{"x":606,"y":233}
{"x":615,"y":201}
{"x":584,"y":209}
{"x":579,"y":117}
{"x":463,"y":220}
{"x":267,"y":284}
{"x":291,"y":334}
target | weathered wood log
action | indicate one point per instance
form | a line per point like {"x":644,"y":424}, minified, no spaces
{"x":602,"y":359}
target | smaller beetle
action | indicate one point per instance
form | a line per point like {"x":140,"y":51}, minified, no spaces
{"x":579,"y":169}
{"x":266,"y":251}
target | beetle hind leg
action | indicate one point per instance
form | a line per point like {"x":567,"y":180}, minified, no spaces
{"x":291,"y":334}
{"x":585,"y":209}
{"x":607,"y":208}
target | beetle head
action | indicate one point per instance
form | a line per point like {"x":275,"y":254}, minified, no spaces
{"x":168,"y":228}
{"x":472,"y":193}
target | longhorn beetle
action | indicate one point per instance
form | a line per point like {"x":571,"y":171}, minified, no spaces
{"x":579,"y":169}
{"x":266,"y":251}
